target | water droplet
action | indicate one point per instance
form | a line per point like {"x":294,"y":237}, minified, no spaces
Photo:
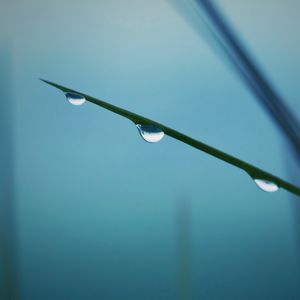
{"x":75,"y":99}
{"x":150,"y":133}
{"x":266,"y":185}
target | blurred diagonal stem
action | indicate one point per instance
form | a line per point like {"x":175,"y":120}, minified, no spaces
{"x":250,"y":73}
{"x":252,"y":170}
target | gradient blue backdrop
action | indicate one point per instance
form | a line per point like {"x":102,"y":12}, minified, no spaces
{"x":95,"y":204}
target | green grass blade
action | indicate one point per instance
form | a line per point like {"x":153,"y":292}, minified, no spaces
{"x":252,"y":170}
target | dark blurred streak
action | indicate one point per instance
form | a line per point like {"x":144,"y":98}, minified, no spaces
{"x":253,"y":76}
{"x":227,"y":41}
{"x":183,"y":224}
{"x":246,"y":67}
{"x":205,"y":12}
{"x":7,"y":205}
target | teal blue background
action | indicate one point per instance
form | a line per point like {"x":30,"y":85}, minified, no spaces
{"x":95,"y":205}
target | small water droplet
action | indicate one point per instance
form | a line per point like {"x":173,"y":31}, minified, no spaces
{"x":75,"y":99}
{"x":266,"y":185}
{"x":150,"y":133}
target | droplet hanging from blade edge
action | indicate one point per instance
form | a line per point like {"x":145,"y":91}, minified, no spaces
{"x":75,"y":99}
{"x":150,"y":133}
{"x":266,"y":185}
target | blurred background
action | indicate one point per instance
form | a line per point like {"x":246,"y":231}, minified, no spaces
{"x":88,"y":210}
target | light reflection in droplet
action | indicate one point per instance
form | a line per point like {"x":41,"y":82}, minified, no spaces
{"x":150,"y":133}
{"x":266,"y":185}
{"x":75,"y":99}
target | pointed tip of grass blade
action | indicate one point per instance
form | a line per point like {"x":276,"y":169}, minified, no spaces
{"x":253,"y":171}
{"x":49,"y":82}
{"x":46,"y":81}
{"x":60,"y":87}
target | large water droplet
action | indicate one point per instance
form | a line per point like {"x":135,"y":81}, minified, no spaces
{"x":150,"y":133}
{"x":266,"y":185}
{"x":75,"y":99}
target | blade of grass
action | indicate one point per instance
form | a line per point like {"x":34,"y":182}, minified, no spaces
{"x":252,"y":170}
{"x":250,"y":72}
